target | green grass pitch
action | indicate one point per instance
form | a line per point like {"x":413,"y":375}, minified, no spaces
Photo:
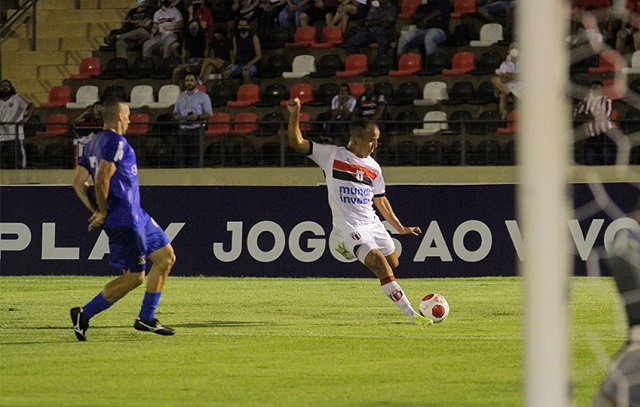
{"x":288,"y":342}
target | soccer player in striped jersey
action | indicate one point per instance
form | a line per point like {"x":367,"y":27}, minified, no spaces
{"x":355,"y":184}
{"x":110,"y":161}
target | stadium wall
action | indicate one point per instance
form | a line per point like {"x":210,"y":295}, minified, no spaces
{"x":276,"y":222}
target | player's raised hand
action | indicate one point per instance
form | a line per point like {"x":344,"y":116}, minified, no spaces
{"x":293,"y":106}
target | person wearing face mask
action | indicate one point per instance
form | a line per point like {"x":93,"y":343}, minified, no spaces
{"x":134,"y":30}
{"x":506,"y":83}
{"x":202,"y":14}
{"x":195,"y":48}
{"x":245,"y":55}
{"x":594,"y":116}
{"x":379,"y":26}
{"x":431,"y":21}
{"x":15,"y":110}
{"x":167,"y":23}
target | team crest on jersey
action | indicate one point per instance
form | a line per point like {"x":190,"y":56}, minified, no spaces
{"x":142,"y":260}
{"x":360,"y":175}
{"x":356,"y":236}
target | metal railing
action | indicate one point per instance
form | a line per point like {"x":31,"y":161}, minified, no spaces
{"x":17,"y":17}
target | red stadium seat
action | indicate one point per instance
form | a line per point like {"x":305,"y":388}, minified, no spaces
{"x":59,"y":96}
{"x":512,"y":124}
{"x":408,"y":8}
{"x":246,"y":123}
{"x":57,"y":125}
{"x":303,"y":38}
{"x":303,"y":91}
{"x":248,"y":94}
{"x":357,"y":89}
{"x":219,"y":125}
{"x":610,"y":61}
{"x":463,"y":7}
{"x":330,"y":36}
{"x":305,"y":121}
{"x":139,"y":125}
{"x":409,"y":64}
{"x":462,"y":63}
{"x":89,"y":67}
{"x":354,"y":65}
{"x":614,"y":89}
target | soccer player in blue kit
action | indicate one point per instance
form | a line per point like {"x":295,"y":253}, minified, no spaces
{"x":110,"y":161}
{"x":354,"y":185}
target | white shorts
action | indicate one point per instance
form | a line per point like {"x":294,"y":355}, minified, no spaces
{"x":361,"y":242}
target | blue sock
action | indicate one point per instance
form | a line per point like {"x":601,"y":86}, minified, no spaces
{"x":149,"y":304}
{"x":96,"y":306}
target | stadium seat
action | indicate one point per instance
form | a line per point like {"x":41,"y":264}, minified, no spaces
{"x":246,"y":123}
{"x":408,"y":64}
{"x":512,"y":124}
{"x":380,"y":65}
{"x":490,"y":34}
{"x":139,"y":125}
{"x":610,"y":61}
{"x":243,"y":153}
{"x":56,"y":155}
{"x":432,"y":94}
{"x":433,"y":122}
{"x":330,"y":37}
{"x":460,"y":92}
{"x":302,"y":66}
{"x":274,"y":66}
{"x":114,"y":91}
{"x":272,"y":123}
{"x":270,"y":153}
{"x":215,"y":153}
{"x":487,"y":152}
{"x":116,"y":68}
{"x":248,"y":94}
{"x":405,"y":95}
{"x":408,"y":8}
{"x":141,"y":68}
{"x":167,"y":96}
{"x":488,"y":122}
{"x":88,"y":68}
{"x":487,"y":63}
{"x":406,"y":121}
{"x":485,"y":94}
{"x":434,"y":64}
{"x":463,"y":7}
{"x":354,"y":65}
{"x":272,"y":95}
{"x":407,"y":153}
{"x":635,"y":64}
{"x":614,"y":88}
{"x":86,"y":96}
{"x":220,"y":124}
{"x":431,"y":153}
{"x":357,"y":89}
{"x":303,"y":91}
{"x":165,"y":70}
{"x":459,"y":120}
{"x":220,"y":94}
{"x":327,"y":66}
{"x":461,"y":63}
{"x":305,"y":122}
{"x":455,"y":152}
{"x":461,"y":36}
{"x":56,"y":125}
{"x":384,"y":88}
{"x":324,"y":94}
{"x":59,"y":96}
{"x":141,"y":95}
{"x":303,"y":37}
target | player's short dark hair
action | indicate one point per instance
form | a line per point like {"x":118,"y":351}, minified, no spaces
{"x":110,"y":109}
{"x":358,"y":126}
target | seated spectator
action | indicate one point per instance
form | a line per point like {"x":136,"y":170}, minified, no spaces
{"x":195,"y":49}
{"x":292,"y":11}
{"x":630,"y":26}
{"x":506,"y":83}
{"x":134,"y":30}
{"x":594,"y":114}
{"x":371,"y":105}
{"x":270,"y":11}
{"x":347,"y":9}
{"x":220,"y":55}
{"x":245,"y":55}
{"x":202,"y":14}
{"x":379,"y":26}
{"x":178,"y":4}
{"x":246,"y":9}
{"x":320,"y":10}
{"x":167,"y":23}
{"x":342,"y":109}
{"x":89,"y":121}
{"x":431,"y":22}
{"x":15,"y":110}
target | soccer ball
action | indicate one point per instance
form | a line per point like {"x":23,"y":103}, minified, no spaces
{"x":435,"y":307}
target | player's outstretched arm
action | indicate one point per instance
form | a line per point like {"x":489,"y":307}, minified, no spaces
{"x":294,"y":134}
{"x":385,"y":209}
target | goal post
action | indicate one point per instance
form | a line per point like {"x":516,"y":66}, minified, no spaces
{"x":543,"y":207}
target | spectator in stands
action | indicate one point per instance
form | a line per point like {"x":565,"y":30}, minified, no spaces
{"x":195,"y":49}
{"x":222,"y":10}
{"x":245,"y":55}
{"x":370,"y":105}
{"x":178,"y":4}
{"x":246,"y":9}
{"x":220,"y":55}
{"x":379,"y":26}
{"x":506,"y":83}
{"x":202,"y":14}
{"x":167,"y":23}
{"x":15,"y":110}
{"x":192,"y":110}
{"x":134,"y":30}
{"x":270,"y":11}
{"x":320,"y":10}
{"x":630,"y":26}
{"x":500,"y":12}
{"x":347,"y":9}
{"x":292,"y":11}
{"x":343,"y":106}
{"x":431,"y":21}
{"x":89,"y":121}
{"x":594,"y":115}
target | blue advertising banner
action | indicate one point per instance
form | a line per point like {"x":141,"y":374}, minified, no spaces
{"x":468,"y":230}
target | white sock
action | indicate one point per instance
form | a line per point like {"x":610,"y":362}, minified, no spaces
{"x":393,"y":290}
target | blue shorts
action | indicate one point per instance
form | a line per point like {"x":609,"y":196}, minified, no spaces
{"x":236,"y":70}
{"x":129,"y":247}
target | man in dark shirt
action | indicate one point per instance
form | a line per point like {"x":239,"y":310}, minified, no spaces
{"x":246,"y":53}
{"x":371,"y":105}
{"x":134,"y":30}
{"x":379,"y":26}
{"x":431,"y":27}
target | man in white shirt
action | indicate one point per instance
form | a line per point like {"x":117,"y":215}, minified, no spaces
{"x":506,"y":82}
{"x":15,"y":109}
{"x":355,"y":184}
{"x":167,"y":22}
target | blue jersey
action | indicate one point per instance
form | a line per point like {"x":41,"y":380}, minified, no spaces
{"x":123,"y":201}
